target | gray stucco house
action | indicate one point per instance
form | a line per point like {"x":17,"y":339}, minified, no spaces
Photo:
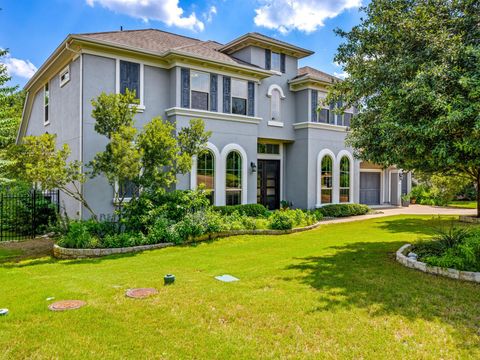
{"x":269,"y":143}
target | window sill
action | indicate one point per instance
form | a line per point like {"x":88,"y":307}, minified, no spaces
{"x":126,"y":200}
{"x":322,"y":126}
{"x":275,"y":123}
{"x":46,"y":123}
{"x":140,"y":108}
{"x":204,"y":114}
{"x":279,"y":73}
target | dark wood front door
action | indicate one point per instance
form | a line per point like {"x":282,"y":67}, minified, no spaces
{"x":268,"y":183}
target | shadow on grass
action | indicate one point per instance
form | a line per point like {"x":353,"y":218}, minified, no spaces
{"x":419,"y":226}
{"x":366,"y":275}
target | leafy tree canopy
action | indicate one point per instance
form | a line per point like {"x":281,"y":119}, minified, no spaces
{"x":414,"y":75}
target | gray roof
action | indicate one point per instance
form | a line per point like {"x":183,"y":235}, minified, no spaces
{"x":312,"y":73}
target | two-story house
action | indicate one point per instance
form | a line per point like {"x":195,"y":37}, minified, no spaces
{"x":270,"y":142}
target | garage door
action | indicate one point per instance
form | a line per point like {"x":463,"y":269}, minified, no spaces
{"x":370,"y":188}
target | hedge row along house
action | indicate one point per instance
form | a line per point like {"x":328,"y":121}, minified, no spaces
{"x":272,"y":137}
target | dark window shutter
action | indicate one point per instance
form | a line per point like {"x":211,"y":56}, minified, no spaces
{"x":251,"y":98}
{"x":282,"y":63}
{"x":213,"y":92}
{"x":123,"y":76}
{"x":314,"y":105}
{"x":226,"y":94}
{"x":268,"y":59}
{"x":185,"y":80}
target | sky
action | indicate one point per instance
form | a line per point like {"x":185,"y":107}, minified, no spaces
{"x":32,"y":29}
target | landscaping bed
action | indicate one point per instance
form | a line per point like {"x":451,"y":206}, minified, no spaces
{"x":186,"y":216}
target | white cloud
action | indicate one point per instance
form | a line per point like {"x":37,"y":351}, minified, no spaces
{"x":303,"y":15}
{"x":166,"y":11}
{"x":208,"y":16}
{"x":341,"y":75}
{"x":18,"y":67}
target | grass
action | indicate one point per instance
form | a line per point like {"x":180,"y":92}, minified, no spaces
{"x":463,"y":204}
{"x":334,"y":292}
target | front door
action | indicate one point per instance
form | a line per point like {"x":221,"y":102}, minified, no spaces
{"x":268,"y":183}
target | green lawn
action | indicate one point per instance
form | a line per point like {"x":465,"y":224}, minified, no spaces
{"x":334,"y":292}
{"x":463,"y":204}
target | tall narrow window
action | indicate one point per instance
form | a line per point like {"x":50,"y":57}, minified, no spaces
{"x":130,"y":77}
{"x":127,"y":190}
{"x":233,"y":181}
{"x":347,"y":118}
{"x":200,"y":88}
{"x":206,"y":172}
{"x":239,"y":97}
{"x":275,"y":105}
{"x":345,"y":180}
{"x":46,"y":100}
{"x":327,"y":179}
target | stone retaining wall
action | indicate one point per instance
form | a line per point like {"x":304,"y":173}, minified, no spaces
{"x":67,"y":253}
{"x":418,"y":265}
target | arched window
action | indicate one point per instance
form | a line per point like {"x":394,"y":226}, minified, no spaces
{"x":345,"y":179}
{"x":327,"y":179}
{"x":233,"y":179}
{"x":206,"y":172}
{"x":275,"y":105}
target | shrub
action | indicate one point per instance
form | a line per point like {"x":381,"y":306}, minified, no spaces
{"x":78,"y":235}
{"x":238,"y":221}
{"x":457,"y":248}
{"x":281,"y":220}
{"x":141,"y":213}
{"x":252,"y":210}
{"x":342,"y":210}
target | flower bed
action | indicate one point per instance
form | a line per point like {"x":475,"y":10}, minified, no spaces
{"x":411,"y":262}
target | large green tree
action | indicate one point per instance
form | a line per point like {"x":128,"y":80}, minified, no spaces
{"x":11,"y":105}
{"x":414,"y":75}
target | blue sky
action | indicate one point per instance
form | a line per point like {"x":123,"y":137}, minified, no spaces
{"x":31,"y":30}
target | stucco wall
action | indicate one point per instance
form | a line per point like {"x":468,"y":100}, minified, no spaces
{"x":64,"y":116}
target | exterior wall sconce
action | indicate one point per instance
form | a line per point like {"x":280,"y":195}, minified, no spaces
{"x":253,"y":167}
{"x":400,"y":176}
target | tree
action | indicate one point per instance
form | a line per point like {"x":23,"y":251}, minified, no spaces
{"x":150,"y":159}
{"x":414,"y":75}
{"x":38,"y":162}
{"x":11,"y":106}
{"x":120,"y":161}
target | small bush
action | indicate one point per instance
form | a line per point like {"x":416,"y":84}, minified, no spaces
{"x":252,"y":210}
{"x":281,"y":220}
{"x":78,"y":235}
{"x":343,"y":210}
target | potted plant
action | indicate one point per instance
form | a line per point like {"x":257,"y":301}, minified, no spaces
{"x":406,"y":200}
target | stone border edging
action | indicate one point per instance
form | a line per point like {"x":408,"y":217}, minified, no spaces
{"x":71,"y":253}
{"x":469,"y":219}
{"x":418,"y":265}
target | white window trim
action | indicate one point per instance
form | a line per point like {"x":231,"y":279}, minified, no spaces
{"x":46,"y":122}
{"x":339,"y":157}
{"x":66,"y":70}
{"x":126,"y":199}
{"x":321,"y":155}
{"x":141,"y":106}
{"x":217,"y":178}
{"x":221,"y":185}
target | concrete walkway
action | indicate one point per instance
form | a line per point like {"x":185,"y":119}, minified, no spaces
{"x":411,"y":210}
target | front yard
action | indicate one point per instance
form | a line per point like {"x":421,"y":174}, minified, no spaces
{"x":334,"y":292}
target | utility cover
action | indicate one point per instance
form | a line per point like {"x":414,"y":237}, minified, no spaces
{"x":226,"y":278}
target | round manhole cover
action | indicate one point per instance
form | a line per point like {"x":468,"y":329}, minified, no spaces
{"x":66,"y":305}
{"x":141,"y":293}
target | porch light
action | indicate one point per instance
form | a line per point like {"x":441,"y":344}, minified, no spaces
{"x":253,"y":167}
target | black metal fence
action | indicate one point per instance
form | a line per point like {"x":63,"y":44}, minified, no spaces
{"x":27,"y":214}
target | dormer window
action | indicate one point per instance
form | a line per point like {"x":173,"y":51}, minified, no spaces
{"x":276,"y":61}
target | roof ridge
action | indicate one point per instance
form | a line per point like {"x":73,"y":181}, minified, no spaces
{"x":139,"y":30}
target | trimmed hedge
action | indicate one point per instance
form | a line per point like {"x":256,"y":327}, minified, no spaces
{"x":252,"y":210}
{"x":343,"y":210}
